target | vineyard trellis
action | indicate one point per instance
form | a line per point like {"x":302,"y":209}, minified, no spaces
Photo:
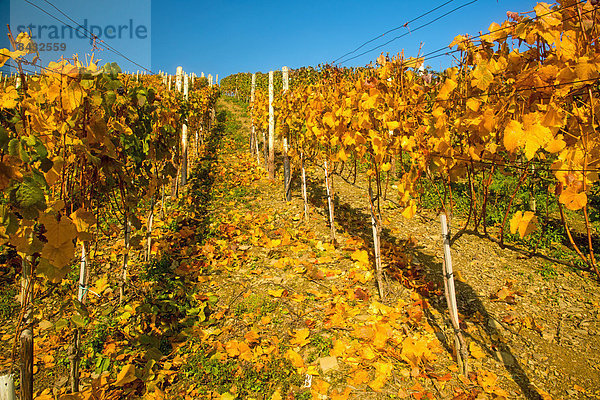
{"x":82,"y":143}
{"x":522,"y":97}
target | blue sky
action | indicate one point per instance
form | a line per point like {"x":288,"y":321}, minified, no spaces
{"x":225,"y":37}
{"x":241,"y":36}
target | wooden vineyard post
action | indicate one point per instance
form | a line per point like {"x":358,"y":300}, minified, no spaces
{"x":26,"y":364}
{"x":265,"y":149}
{"x":271,"y":164}
{"x":150,"y":223}
{"x":304,"y":194}
{"x":252,"y":130}
{"x":329,"y":203}
{"x":376,"y":227}
{"x":26,"y":336}
{"x":7,"y":387}
{"x":287,"y":176}
{"x":184,"y":138}
{"x":459,"y":341}
{"x":124,"y":271}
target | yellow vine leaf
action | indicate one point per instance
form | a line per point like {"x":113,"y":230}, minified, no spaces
{"x":101,"y":284}
{"x":572,"y":199}
{"x":60,"y":234}
{"x":548,"y":18}
{"x":475,"y":350}
{"x":382,"y":372}
{"x":361,"y":257}
{"x":295,"y":359}
{"x":482,"y":76}
{"x":473,"y":104}
{"x":524,"y":222}
{"x":391,"y":125}
{"x":320,"y":386}
{"x":83,"y":221}
{"x":300,"y":337}
{"x":126,"y":375}
{"x":9,"y":170}
{"x":4,"y":56}
{"x":338,"y":395}
{"x":410,"y":210}
{"x":329,"y":119}
{"x":8,"y":99}
{"x":358,"y":378}
{"x":72,"y":96}
{"x":275,"y":292}
{"x":586,"y":70}
{"x":447,"y":89}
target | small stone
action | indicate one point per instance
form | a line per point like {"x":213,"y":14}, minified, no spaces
{"x":328,"y":364}
{"x":493,"y":324}
{"x":548,"y":336}
{"x":506,"y":358}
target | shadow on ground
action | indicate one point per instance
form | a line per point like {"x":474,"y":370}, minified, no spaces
{"x":357,"y":223}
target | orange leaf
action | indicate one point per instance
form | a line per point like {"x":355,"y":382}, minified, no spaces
{"x":300,"y":337}
{"x":275,"y":293}
{"x":572,"y":199}
{"x":523,"y":222}
{"x":337,"y":395}
{"x":232,"y":348}
{"x":361,"y":257}
{"x":295,"y":358}
{"x":358,"y":378}
{"x":251,"y":337}
{"x":475,"y":350}
{"x":126,"y":375}
{"x":513,"y":135}
{"x":487,"y":380}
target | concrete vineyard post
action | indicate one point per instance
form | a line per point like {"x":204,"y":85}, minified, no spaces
{"x":179,"y":78}
{"x":7,"y":387}
{"x":329,"y":202}
{"x":84,"y":274}
{"x":184,"y":138}
{"x":253,"y":128}
{"x":462,"y":352}
{"x":287,"y":176}
{"x":170,"y":81}
{"x":271,"y":164}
